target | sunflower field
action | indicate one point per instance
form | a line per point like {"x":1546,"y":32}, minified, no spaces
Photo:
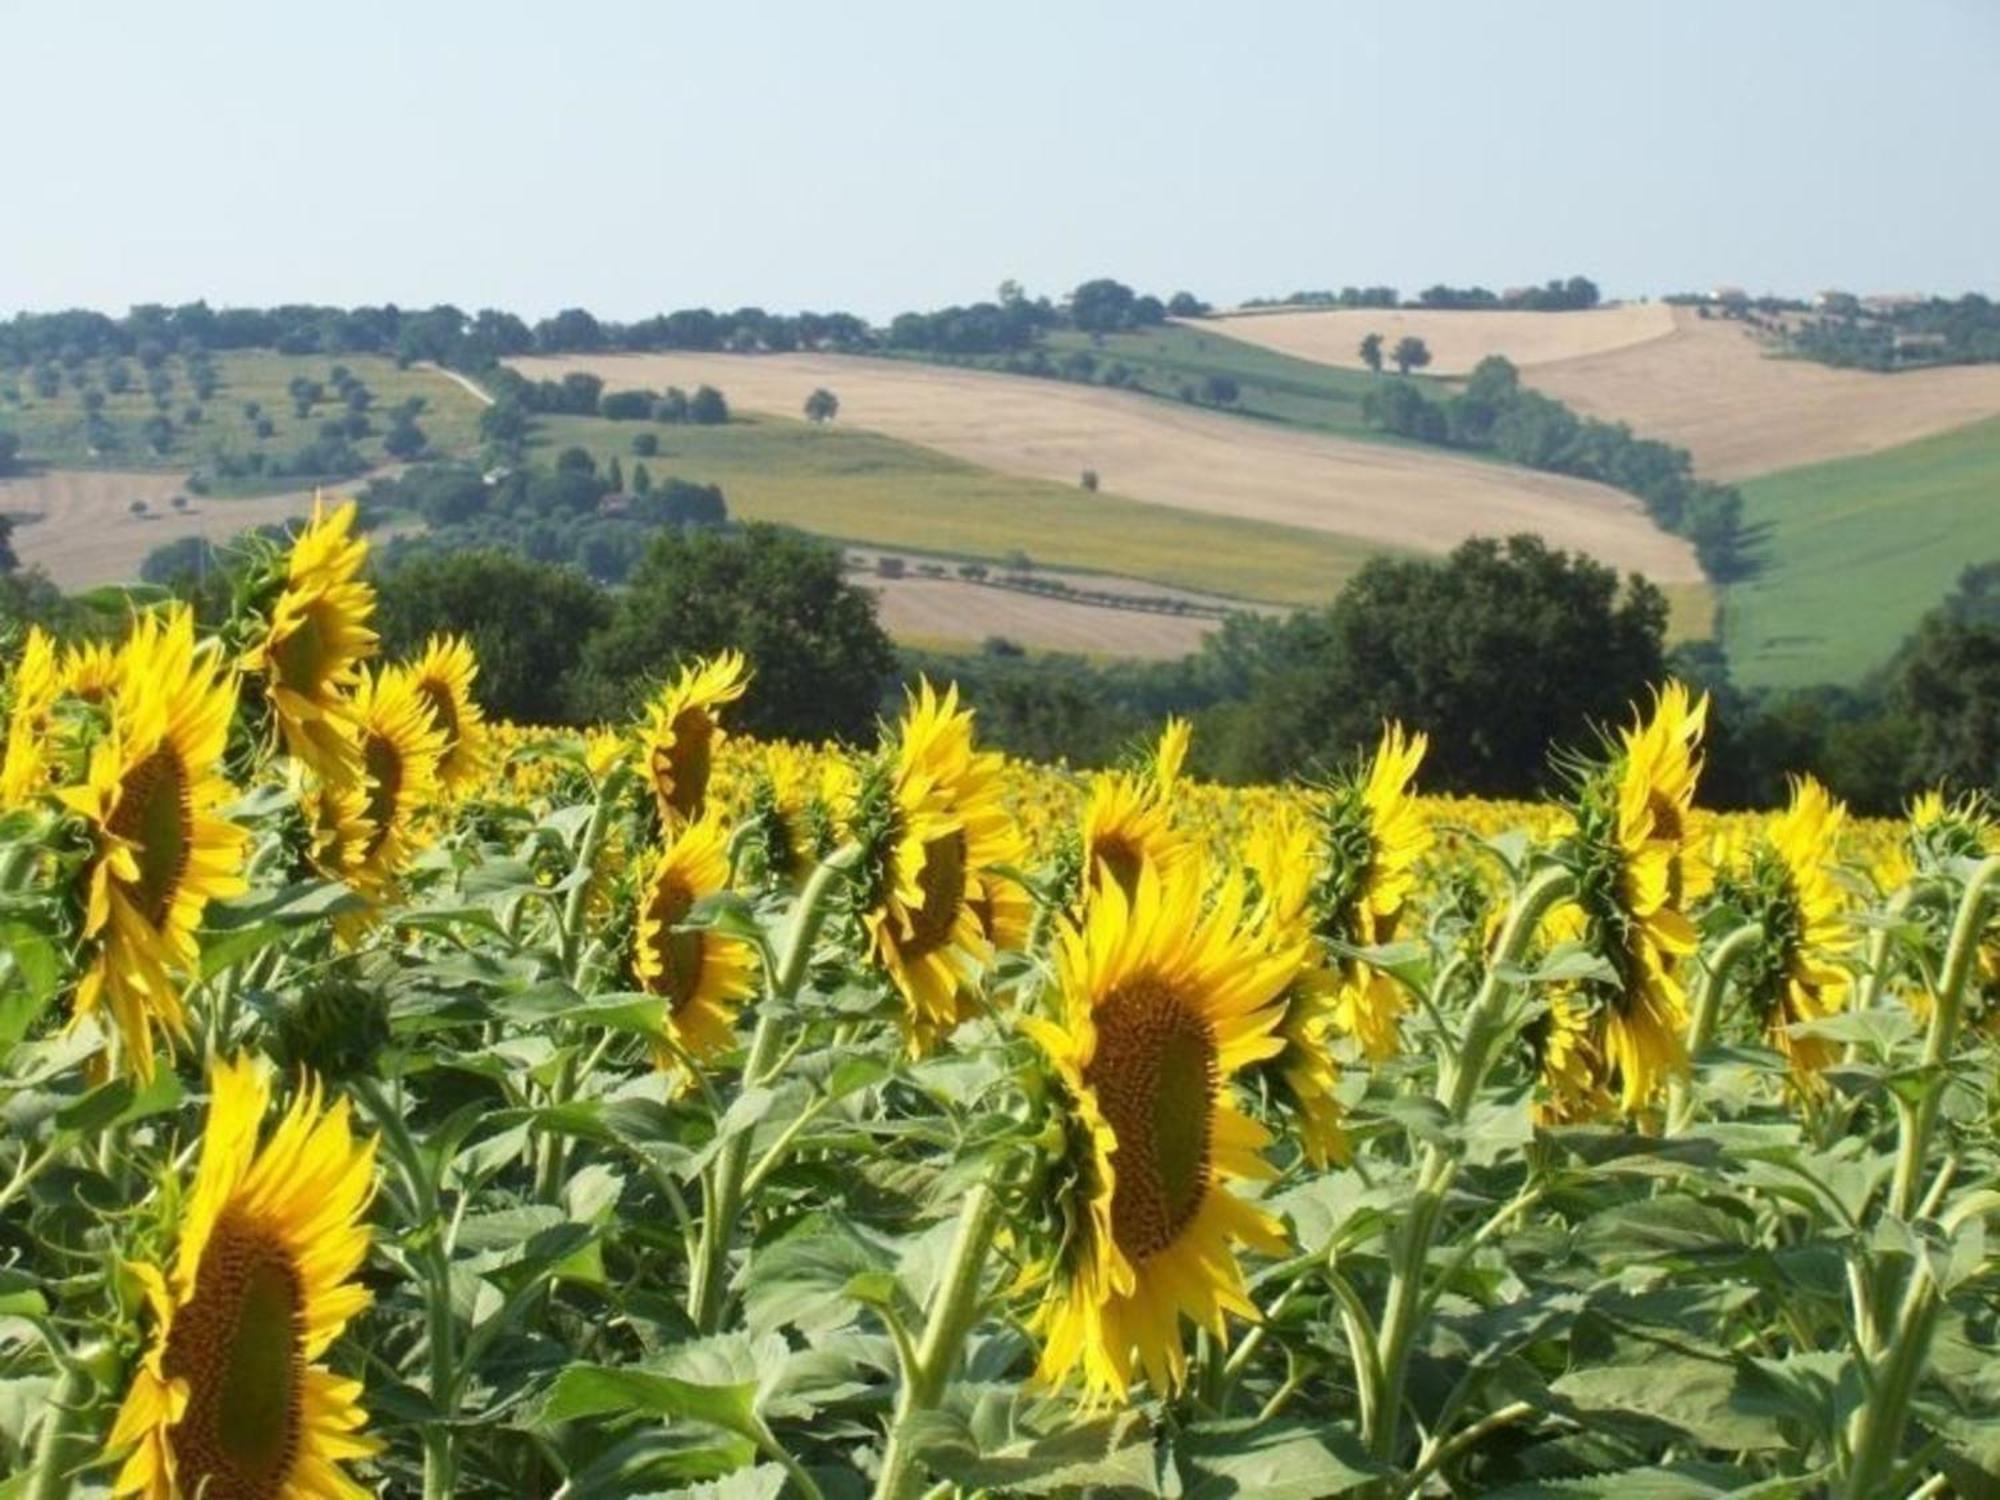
{"x":394,"y":1102}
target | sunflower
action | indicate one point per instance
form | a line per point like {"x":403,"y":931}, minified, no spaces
{"x":315,"y":639}
{"x":788,"y":818}
{"x":90,"y":670}
{"x":28,"y":765}
{"x":1374,"y":833}
{"x":160,"y":851}
{"x":1631,"y":845}
{"x":1305,"y":1074}
{"x":443,"y":675}
{"x":398,"y":745}
{"x":703,"y":976}
{"x":932,"y":817}
{"x":228,"y":1401}
{"x":683,"y":731}
{"x":1128,"y":820}
{"x":1940,"y":833}
{"x":1561,"y":1041}
{"x":1159,"y":1003}
{"x":1784,"y":883}
{"x":1660,"y":755}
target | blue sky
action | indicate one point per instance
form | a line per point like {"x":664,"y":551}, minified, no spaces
{"x":630,"y":157}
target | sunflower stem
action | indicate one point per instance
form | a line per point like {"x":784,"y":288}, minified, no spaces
{"x":578,"y":898}
{"x":1459,"y":1080}
{"x":63,"y":1447}
{"x":1876,"y":1432}
{"x":728,"y":1173}
{"x":1707,"y":1011}
{"x":1943,"y":1033}
{"x":953,"y":1312}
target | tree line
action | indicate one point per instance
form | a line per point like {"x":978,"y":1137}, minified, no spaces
{"x":1937,"y":331}
{"x":1495,"y":413}
{"x":1573,"y":294}
{"x":476,"y":341}
{"x":1505,"y":651}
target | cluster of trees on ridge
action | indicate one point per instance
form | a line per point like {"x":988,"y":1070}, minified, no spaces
{"x":1503,"y":651}
{"x":1495,"y":413}
{"x":1556,"y":295}
{"x":1937,"y":331}
{"x":475,"y":341}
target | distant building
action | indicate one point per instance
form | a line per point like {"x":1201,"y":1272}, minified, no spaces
{"x":1890,"y":302}
{"x":1727,"y":294}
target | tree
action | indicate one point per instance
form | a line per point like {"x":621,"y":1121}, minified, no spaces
{"x":1411,"y":353}
{"x":1102,"y":306}
{"x":405,"y":440}
{"x":822,"y":405}
{"x":627,"y":406}
{"x":504,"y":422}
{"x":1502,"y":652}
{"x":1371,"y":352}
{"x":1089,"y":480}
{"x":708,"y":407}
{"x":812,"y":639}
{"x":1185,"y":305}
{"x":530,"y":624}
{"x":645,"y":444}
{"x":10,"y":450}
{"x":1947,"y":685}
{"x":10,"y":562}
{"x":1220,"y":390}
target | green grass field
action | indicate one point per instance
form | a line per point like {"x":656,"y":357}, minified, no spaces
{"x":858,"y":487}
{"x":54,"y":429}
{"x":1854,"y":552}
{"x":1166,"y":361}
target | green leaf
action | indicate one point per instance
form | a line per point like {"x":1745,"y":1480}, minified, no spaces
{"x":38,"y":963}
{"x":1696,"y":1396}
{"x":813,"y":1278}
{"x":761,"y":1482}
{"x":1272,"y":1460}
{"x":119,"y":1102}
{"x":1689,"y":1481}
{"x":717,"y":1380}
{"x":1102,"y":1456}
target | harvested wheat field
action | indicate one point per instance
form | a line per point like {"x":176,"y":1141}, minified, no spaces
{"x":941,"y":608}
{"x":1711,"y":387}
{"x":1150,"y":450}
{"x":949,"y":610}
{"x":78,"y":524}
{"x":1457,"y":340}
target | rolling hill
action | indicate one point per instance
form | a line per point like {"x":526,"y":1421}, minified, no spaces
{"x":1173,"y":457}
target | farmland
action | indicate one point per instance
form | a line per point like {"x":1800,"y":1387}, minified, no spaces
{"x":252,"y":388}
{"x":1712,"y":388}
{"x":1372,"y":496}
{"x":1854,"y":552}
{"x":1176,"y":360}
{"x":1457,"y":339}
{"x":857,"y":486}
{"x":78,"y":525}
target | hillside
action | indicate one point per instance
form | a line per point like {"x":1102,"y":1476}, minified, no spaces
{"x":1458,"y":340}
{"x":1712,"y":387}
{"x":862,"y":487}
{"x":249,"y":406}
{"x":79,"y":525}
{"x":1371,"y":495}
{"x":1854,"y":552}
